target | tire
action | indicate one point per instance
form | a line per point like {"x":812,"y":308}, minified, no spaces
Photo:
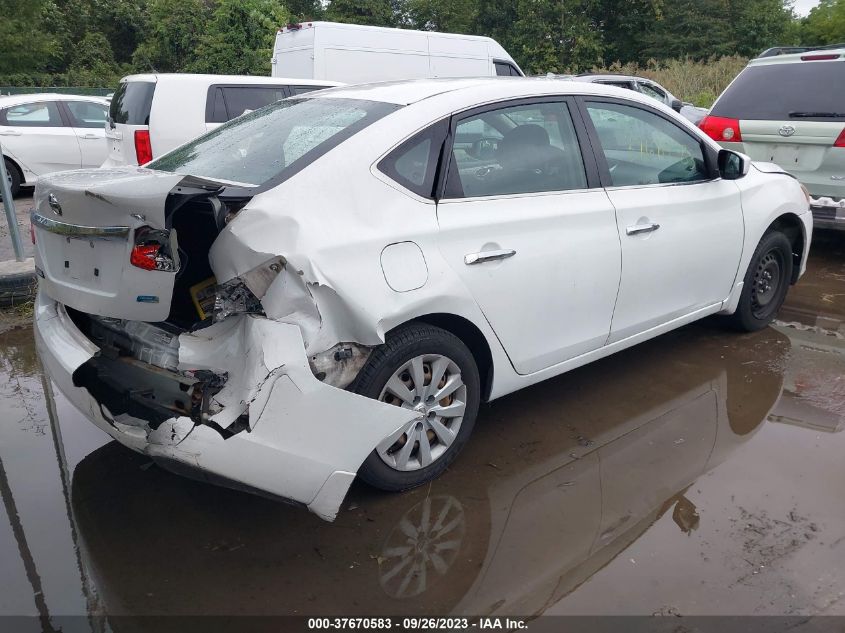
{"x":17,"y":288}
{"x":766,"y":283}
{"x":15,"y":178}
{"x":418,"y":349}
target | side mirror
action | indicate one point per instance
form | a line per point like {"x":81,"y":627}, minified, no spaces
{"x":733,"y":165}
{"x":677,"y":104}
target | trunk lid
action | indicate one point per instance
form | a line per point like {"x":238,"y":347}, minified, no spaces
{"x":86,"y":224}
{"x":796,"y":145}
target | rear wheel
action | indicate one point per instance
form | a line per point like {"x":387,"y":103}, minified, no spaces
{"x":14,"y":178}
{"x":428,"y":370}
{"x":766,"y":283}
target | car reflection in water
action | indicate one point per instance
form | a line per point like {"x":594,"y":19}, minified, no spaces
{"x":559,"y":479}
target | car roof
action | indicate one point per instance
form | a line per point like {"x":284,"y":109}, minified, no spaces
{"x":10,"y":100}
{"x":230,"y":79}
{"x":610,"y":77}
{"x":410,"y":91}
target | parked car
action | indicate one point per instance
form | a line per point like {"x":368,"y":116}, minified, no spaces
{"x":150,"y":115}
{"x":354,"y":53}
{"x":332,"y":284}
{"x":43,"y":133}
{"x":790,"y":110}
{"x":649,"y":88}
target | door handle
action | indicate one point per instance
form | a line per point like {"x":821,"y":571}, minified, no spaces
{"x":487,"y":256}
{"x":642,"y":228}
{"x":91,"y":136}
{"x":10,"y":133}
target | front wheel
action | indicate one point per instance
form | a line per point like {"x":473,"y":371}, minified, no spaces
{"x":766,"y":283}
{"x":431,"y":371}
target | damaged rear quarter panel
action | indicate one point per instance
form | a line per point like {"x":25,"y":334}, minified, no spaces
{"x":303,"y":432}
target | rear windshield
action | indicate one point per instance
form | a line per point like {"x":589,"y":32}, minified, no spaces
{"x":131,"y":103}
{"x":274,"y":142}
{"x":779,"y":92}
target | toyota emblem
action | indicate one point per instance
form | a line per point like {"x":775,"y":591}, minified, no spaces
{"x":786,"y":130}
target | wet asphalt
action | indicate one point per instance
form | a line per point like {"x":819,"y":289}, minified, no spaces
{"x":699,"y":473}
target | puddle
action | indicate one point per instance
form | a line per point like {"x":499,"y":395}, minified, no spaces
{"x":696,"y":474}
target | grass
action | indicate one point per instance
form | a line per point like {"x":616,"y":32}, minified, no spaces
{"x":17,"y":316}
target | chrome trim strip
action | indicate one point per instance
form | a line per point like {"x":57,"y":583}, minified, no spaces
{"x":76,"y":230}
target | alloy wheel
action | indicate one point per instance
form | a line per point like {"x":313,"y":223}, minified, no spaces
{"x":430,"y":384}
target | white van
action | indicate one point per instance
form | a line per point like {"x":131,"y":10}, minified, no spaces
{"x":353,"y":53}
{"x":152,"y":114}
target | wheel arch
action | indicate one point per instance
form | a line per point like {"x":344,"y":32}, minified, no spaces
{"x":17,"y":166}
{"x":793,"y":228}
{"x":471,"y":336}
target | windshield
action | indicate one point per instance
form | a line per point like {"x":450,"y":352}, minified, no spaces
{"x":273,"y":142}
{"x":777,"y":92}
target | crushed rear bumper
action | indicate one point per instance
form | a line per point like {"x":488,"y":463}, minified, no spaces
{"x":304,"y":441}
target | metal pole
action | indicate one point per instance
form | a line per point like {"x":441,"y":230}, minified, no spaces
{"x":9,"y":205}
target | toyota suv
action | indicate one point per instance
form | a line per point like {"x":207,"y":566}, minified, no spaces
{"x":789,"y":109}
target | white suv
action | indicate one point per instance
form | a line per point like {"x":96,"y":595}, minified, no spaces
{"x":790,"y":110}
{"x":153,"y":114}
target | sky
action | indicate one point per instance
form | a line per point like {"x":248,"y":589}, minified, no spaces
{"x":802,"y":7}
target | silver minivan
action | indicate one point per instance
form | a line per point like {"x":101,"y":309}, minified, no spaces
{"x":790,"y":110}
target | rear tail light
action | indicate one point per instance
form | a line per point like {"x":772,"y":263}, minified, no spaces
{"x":721,"y":128}
{"x":840,"y":140}
{"x":32,"y":232}
{"x":818,"y":58}
{"x":143,"y":149}
{"x":144,"y":256}
{"x":152,"y":250}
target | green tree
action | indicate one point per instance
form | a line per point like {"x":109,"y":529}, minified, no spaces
{"x":372,"y":12}
{"x":825,"y":24}
{"x":449,"y":16}
{"x":239,"y":38}
{"x":24,"y":45}
{"x":172,"y":35}
{"x":93,"y":63}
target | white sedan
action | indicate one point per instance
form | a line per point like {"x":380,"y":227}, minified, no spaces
{"x":44,"y":133}
{"x":329,"y":286}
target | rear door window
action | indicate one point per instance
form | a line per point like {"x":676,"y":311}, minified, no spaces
{"x":87,"y":114}
{"x":41,"y":114}
{"x":783,"y":92}
{"x":131,"y":103}
{"x":227,"y":102}
{"x":515,"y":149}
{"x":414,"y":163}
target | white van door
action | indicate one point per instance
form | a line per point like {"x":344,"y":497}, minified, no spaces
{"x":128,"y":127}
